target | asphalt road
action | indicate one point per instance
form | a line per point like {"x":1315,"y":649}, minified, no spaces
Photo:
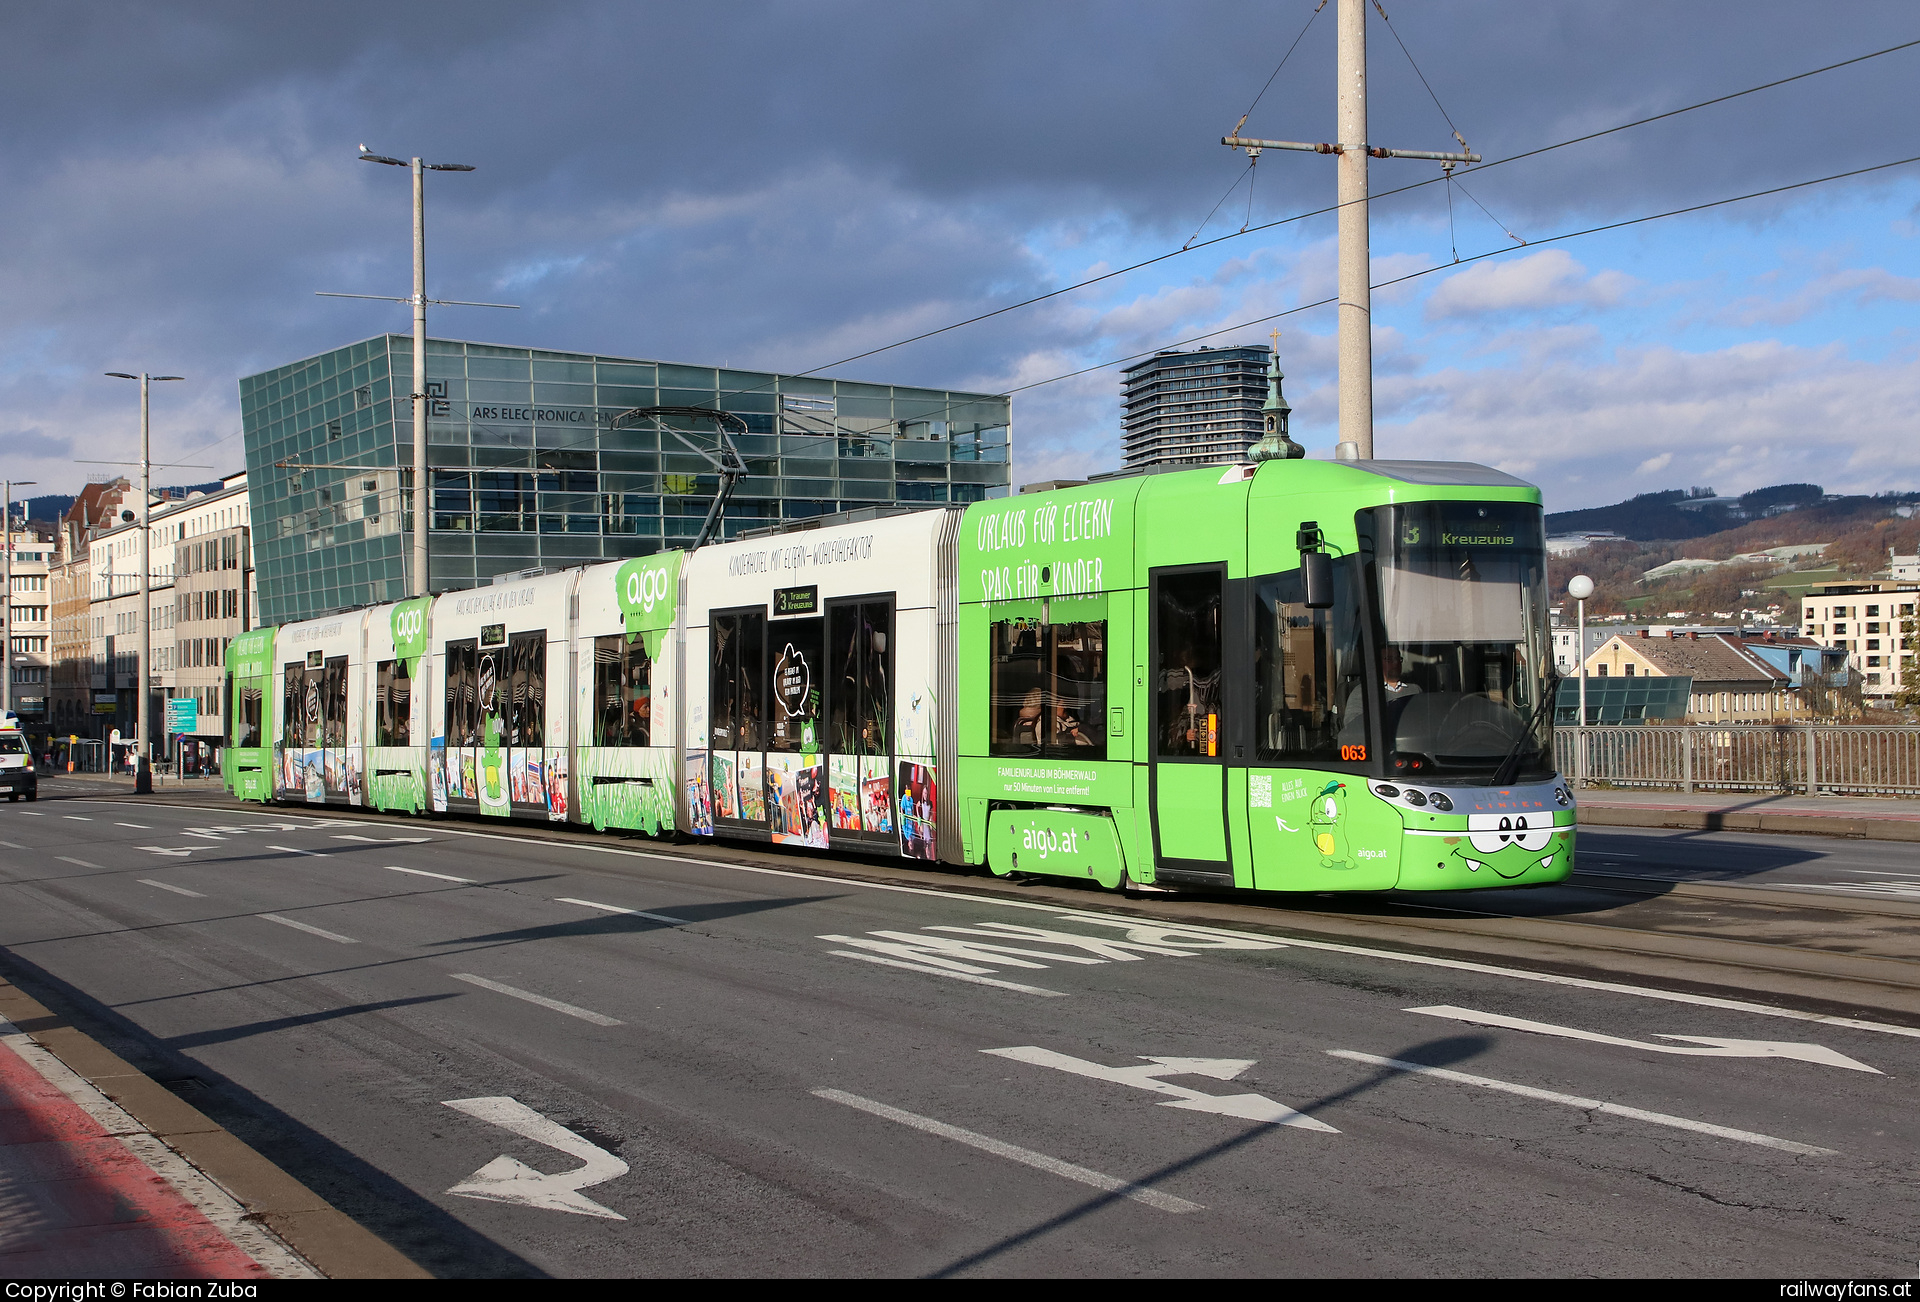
{"x":1826,"y":865}
{"x":775,"y":1073}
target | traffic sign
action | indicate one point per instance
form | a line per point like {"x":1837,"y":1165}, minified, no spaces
{"x":183,"y":713}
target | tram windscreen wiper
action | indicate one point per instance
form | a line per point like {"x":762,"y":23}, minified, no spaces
{"x":1510,"y":766}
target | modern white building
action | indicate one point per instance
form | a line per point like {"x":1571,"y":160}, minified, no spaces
{"x":29,"y":629}
{"x":1873,"y":623}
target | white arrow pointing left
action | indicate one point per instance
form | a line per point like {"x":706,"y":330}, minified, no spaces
{"x":505,"y":1180}
{"x":1715,"y":1046}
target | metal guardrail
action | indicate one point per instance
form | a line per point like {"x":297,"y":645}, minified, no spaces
{"x":1799,"y":758}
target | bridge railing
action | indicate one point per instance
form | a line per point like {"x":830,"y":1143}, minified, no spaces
{"x":1796,"y":758}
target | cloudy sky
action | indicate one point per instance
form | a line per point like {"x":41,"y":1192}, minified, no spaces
{"x":779,"y":185}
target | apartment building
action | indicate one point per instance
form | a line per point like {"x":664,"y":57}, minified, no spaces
{"x":207,"y":536}
{"x":1873,"y":623}
{"x":29,"y":630}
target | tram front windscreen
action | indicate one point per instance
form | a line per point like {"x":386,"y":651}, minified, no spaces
{"x":1464,"y":660}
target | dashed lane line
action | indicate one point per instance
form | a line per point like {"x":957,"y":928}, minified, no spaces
{"x":571,"y":1010}
{"x":137,"y":826}
{"x":1361,"y":951}
{"x":1587,"y":1105}
{"x":168,"y":886}
{"x":11,"y":846}
{"x":312,"y":854}
{"x":1014,"y":1153}
{"x":78,"y":818}
{"x":308,"y":928}
{"x":615,"y":908}
{"x":79,"y":863}
{"x":422,"y":872}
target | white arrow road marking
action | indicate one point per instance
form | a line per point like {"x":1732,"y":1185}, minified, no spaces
{"x":1014,"y":1153}
{"x":1586,"y":1105}
{"x":571,"y":1010}
{"x":175,"y":850}
{"x":1247,"y":1107}
{"x":970,"y":976}
{"x":177,"y":890}
{"x":505,"y":1180}
{"x":404,"y":840}
{"x":1717,"y":1046}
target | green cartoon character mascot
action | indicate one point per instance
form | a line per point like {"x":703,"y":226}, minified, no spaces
{"x":1329,"y":837}
{"x":493,"y":793}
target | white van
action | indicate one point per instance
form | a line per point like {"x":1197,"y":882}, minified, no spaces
{"x":16,"y":766}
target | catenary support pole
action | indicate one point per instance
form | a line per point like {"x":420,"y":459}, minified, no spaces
{"x":143,"y":772}
{"x":1356,"y":299}
{"x":421,"y":585}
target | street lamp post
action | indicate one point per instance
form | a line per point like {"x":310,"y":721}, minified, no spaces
{"x":419,"y":300}
{"x":1580,"y":587}
{"x":6,"y":611}
{"x":143,"y":773}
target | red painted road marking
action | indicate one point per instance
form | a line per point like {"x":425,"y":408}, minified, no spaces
{"x":83,"y":1206}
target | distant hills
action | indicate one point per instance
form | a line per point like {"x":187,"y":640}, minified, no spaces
{"x":1682,"y":513}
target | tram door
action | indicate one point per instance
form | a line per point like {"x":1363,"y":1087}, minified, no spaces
{"x":1188,"y":775}
{"x":526,"y":721}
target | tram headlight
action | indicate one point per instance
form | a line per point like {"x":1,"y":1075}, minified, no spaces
{"x":1441,"y":803}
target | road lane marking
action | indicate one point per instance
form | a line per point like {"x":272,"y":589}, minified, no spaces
{"x":1014,"y":1153}
{"x":615,"y":908}
{"x":166,"y":886}
{"x":287,"y":849}
{"x":82,"y":863}
{"x":11,"y":846}
{"x":1147,"y":1076}
{"x":405,"y":840}
{"x":969,"y":977}
{"x":1224,"y":938}
{"x":1714,"y":1046}
{"x":505,"y":1180}
{"x":78,"y":818}
{"x":308,"y":928}
{"x":422,"y":872}
{"x":1587,"y":1105}
{"x":33,"y":813}
{"x":174,"y":850}
{"x":571,"y":1010}
{"x":137,"y":826}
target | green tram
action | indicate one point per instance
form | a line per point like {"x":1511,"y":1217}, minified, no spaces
{"x":1289,"y":676}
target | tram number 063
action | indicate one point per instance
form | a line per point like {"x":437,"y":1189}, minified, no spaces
{"x":1353,"y":754}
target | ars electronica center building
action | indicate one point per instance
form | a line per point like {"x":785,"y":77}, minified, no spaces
{"x":529,"y":470}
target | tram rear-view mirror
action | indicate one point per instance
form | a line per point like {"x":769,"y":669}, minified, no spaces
{"x":1316,"y":572}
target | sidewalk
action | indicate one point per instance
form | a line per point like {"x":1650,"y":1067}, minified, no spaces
{"x":104,"y":1174}
{"x":1877,"y":818}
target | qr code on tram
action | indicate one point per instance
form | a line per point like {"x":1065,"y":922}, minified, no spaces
{"x":1259,"y":792}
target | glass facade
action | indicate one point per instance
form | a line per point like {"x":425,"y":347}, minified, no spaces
{"x":528,"y":471}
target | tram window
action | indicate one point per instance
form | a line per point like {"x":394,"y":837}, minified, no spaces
{"x":622,"y":692}
{"x":463,"y":694}
{"x":860,"y":698}
{"x":795,"y":683}
{"x":333,"y":694}
{"x":393,"y":705}
{"x":738,"y":644}
{"x":1306,"y":670}
{"x":527,"y":717}
{"x":246,"y":721}
{"x":1188,"y":671}
{"x":293,"y":707}
{"x":1049,"y":689}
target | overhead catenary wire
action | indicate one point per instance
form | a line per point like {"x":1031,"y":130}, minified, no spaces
{"x":1378,"y":8}
{"x":1336,"y":207}
{"x":1283,"y":63}
{"x":1478,"y":257}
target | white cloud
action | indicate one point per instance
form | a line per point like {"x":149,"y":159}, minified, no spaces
{"x":1738,"y":418}
{"x":1548,"y":279}
{"x":1861,"y":285}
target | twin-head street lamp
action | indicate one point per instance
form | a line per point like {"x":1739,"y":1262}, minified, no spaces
{"x":419,"y":300}
{"x":143,"y":773}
